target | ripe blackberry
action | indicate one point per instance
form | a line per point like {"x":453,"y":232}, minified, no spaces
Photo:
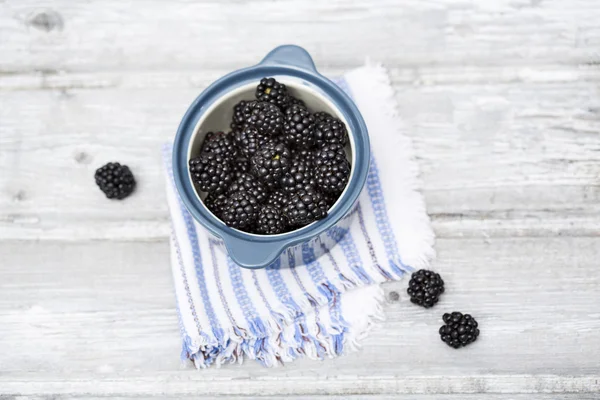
{"x":211,"y":172}
{"x":321,"y":116}
{"x":248,"y":183}
{"x":277,"y":199}
{"x":304,"y":207}
{"x":220,"y":143}
{"x":332,"y":169}
{"x":272,"y":91}
{"x":270,"y":221}
{"x":330,"y":199}
{"x":297,"y":178}
{"x":215,"y":203}
{"x":459,"y":330}
{"x":270,"y":163}
{"x":248,"y":140}
{"x":240,"y":165}
{"x":264,"y":116}
{"x":298,"y":128}
{"x":331,"y":131}
{"x":307,"y":156}
{"x":240,"y":210}
{"x":295,"y":102}
{"x":425,"y":288}
{"x":238,"y":120}
{"x":115,"y":180}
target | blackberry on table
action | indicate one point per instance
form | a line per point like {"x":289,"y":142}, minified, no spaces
{"x":248,"y":140}
{"x":277,"y":199}
{"x":264,"y":116}
{"x":240,"y":210}
{"x":331,"y":131}
{"x":332,"y":169}
{"x":220,"y":143}
{"x":297,"y":178}
{"x":270,"y":163}
{"x":299,"y":126}
{"x":115,"y":180}
{"x":304,"y":207}
{"x":270,"y":221}
{"x":272,"y":91}
{"x":459,"y":330}
{"x":248,"y":183}
{"x":215,"y":203}
{"x":211,"y":172}
{"x":425,"y":288}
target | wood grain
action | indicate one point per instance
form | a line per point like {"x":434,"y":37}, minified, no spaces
{"x":94,"y":325}
{"x":534,"y":143}
{"x":120,"y":35}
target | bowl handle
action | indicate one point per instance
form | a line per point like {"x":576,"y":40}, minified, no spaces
{"x":252,"y":255}
{"x":290,"y":55}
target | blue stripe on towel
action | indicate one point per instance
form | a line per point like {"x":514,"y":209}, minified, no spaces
{"x":382,"y":220}
{"x":199,"y":268}
{"x":185,"y":283}
{"x":363,"y":228}
{"x":330,"y":291}
{"x":344,"y":239}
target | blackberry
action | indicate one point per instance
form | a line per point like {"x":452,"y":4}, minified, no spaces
{"x":298,"y":128}
{"x":295,"y":102}
{"x":459,"y":330}
{"x":220,"y":143}
{"x":240,"y":165}
{"x":321,"y":116}
{"x":238,"y":120}
{"x":305,"y":155}
{"x":240,"y":210}
{"x":215,"y":203}
{"x":330,"y":199}
{"x":115,"y":180}
{"x":331,"y":131}
{"x":264,"y":116}
{"x":304,"y":207}
{"x":425,"y":288}
{"x":270,"y":221}
{"x":332,"y":169}
{"x":272,"y":91}
{"x":277,"y":199}
{"x":270,"y":163}
{"x":211,"y":172}
{"x":248,"y":183}
{"x":297,"y":178}
{"x":248,"y":140}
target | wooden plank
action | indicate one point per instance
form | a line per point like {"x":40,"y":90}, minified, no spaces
{"x":534,"y":144}
{"x":65,"y":35}
{"x":530,"y":396}
{"x":99,"y":318}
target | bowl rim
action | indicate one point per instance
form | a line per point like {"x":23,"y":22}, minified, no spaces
{"x":257,"y":251}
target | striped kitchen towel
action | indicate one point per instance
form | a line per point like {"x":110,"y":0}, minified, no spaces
{"x":325,"y":306}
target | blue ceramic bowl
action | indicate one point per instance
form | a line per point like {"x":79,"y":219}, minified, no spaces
{"x":212,"y":110}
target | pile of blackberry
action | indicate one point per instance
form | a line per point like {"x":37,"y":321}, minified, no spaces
{"x":281,"y":167}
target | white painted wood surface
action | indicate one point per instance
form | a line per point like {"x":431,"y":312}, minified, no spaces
{"x":501,"y":99}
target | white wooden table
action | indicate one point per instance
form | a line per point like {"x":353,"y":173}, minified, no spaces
{"x":501,"y":98}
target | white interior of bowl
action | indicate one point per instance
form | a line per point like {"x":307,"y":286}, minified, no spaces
{"x":218,"y":118}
